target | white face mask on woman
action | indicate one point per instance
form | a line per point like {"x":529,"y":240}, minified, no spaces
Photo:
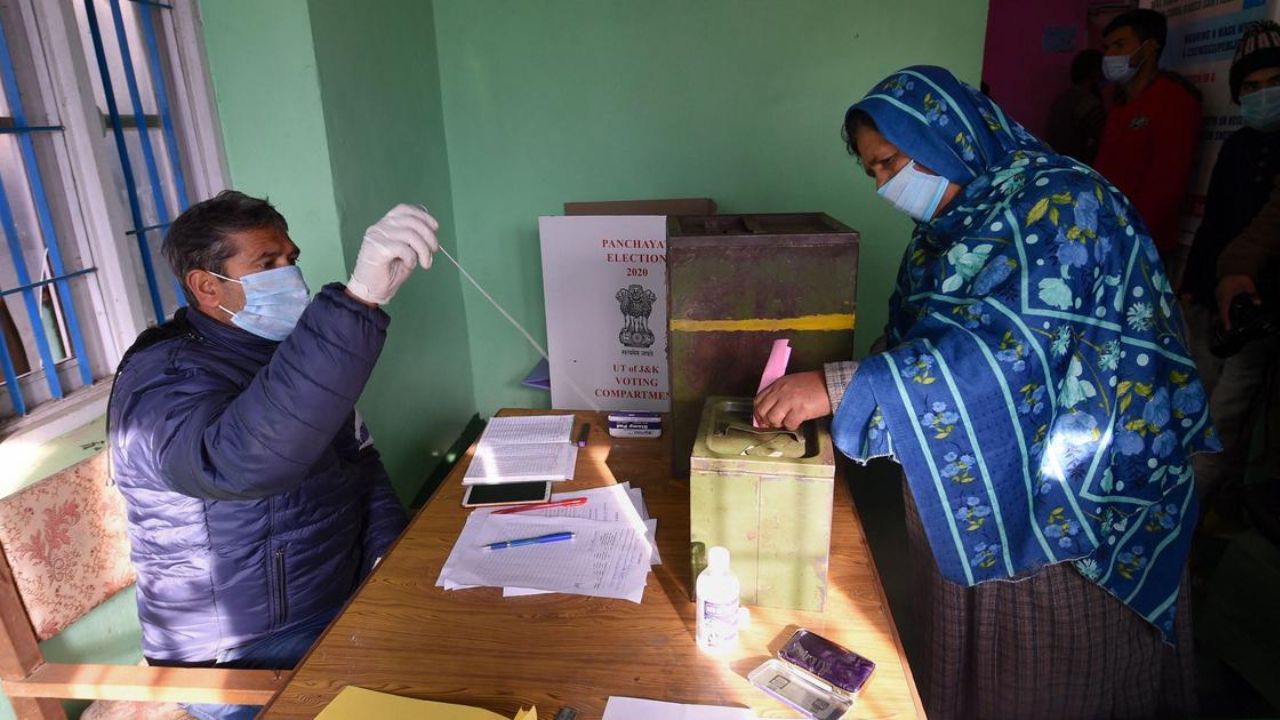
{"x":914,"y":192}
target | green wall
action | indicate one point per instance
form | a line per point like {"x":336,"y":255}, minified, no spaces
{"x":740,"y":101}
{"x":333,"y":110}
{"x":381,"y":88}
{"x":492,"y":113}
{"x":262,"y":62}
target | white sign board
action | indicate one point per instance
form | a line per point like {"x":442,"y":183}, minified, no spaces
{"x":604,"y":278}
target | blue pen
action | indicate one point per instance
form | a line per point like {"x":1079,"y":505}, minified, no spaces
{"x":539,"y":540}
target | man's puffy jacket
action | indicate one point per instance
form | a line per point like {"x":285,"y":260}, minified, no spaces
{"x":253,"y":502}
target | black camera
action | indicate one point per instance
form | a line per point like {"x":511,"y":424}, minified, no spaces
{"x":1249,"y":322}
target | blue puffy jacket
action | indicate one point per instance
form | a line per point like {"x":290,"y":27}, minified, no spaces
{"x":253,"y":503}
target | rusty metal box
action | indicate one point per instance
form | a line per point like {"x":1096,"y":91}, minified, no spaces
{"x":737,"y":282}
{"x":767,"y":497}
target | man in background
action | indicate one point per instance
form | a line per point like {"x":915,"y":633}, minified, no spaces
{"x":1150,"y":137}
{"x":1243,"y":177}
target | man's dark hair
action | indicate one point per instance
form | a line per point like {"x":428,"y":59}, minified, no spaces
{"x":1086,"y":66}
{"x":1147,"y":25}
{"x":853,"y":119}
{"x":197,"y":240}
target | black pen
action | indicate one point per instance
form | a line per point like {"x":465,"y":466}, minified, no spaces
{"x":566,"y":713}
{"x":582,"y":434}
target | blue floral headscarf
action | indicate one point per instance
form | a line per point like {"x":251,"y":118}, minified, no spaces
{"x":1037,"y":389}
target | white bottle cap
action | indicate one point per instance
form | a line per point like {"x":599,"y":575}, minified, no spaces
{"x":718,"y":559}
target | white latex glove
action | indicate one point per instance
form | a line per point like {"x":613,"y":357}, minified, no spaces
{"x":403,"y":237}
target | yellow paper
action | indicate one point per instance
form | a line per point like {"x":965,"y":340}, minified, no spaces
{"x":355,"y":703}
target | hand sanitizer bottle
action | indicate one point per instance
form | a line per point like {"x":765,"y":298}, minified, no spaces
{"x":717,"y":593}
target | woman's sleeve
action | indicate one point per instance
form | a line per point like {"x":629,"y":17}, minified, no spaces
{"x":839,"y":375}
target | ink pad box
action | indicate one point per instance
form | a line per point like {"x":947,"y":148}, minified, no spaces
{"x":635,"y":424}
{"x":814,"y":675}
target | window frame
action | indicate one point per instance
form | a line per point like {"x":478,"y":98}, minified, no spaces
{"x":99,"y":223}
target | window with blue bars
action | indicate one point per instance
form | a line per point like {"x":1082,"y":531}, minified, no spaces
{"x":132,"y":74}
{"x":132,"y":89}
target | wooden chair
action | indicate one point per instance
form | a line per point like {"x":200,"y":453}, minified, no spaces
{"x":64,"y":551}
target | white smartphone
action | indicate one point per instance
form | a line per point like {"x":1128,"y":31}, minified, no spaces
{"x":521,"y":493}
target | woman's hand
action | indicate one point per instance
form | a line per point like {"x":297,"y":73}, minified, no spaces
{"x":793,"y":399}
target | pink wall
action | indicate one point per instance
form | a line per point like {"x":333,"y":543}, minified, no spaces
{"x":1023,"y":75}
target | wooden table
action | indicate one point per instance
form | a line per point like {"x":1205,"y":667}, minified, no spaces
{"x":401,"y":634}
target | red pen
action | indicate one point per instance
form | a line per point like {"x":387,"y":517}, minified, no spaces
{"x":571,"y":502}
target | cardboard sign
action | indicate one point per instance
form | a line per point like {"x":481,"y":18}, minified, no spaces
{"x":604,"y":281}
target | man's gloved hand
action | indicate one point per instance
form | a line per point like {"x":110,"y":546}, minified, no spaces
{"x":404,"y":236}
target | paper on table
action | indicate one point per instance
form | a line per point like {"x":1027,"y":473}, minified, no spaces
{"x":521,"y":463}
{"x":603,"y":560}
{"x":528,"y":429}
{"x":604,"y":504}
{"x":613,"y":503}
{"x":637,"y":499}
{"x":523,"y":449}
{"x":651,"y":530}
{"x":625,"y":708}
{"x":469,"y":531}
{"x":354,"y":703}
{"x":776,"y":367}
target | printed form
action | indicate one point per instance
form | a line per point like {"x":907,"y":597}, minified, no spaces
{"x":523,"y":449}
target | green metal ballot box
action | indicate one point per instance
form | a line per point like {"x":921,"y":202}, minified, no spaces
{"x":766,"y":495}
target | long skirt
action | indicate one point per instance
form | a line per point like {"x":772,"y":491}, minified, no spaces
{"x":1052,"y":645}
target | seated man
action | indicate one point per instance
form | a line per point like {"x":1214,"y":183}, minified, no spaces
{"x":256,"y":500}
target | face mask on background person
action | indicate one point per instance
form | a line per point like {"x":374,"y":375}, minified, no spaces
{"x":1260,"y":109}
{"x":1117,"y":69}
{"x":914,"y":192}
{"x":273,"y":301}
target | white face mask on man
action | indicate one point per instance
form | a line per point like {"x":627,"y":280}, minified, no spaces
{"x":914,"y":192}
{"x":1260,"y":109}
{"x":1118,"y":68}
{"x":273,"y":301}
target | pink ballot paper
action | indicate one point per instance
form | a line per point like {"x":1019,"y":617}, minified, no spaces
{"x":776,"y":367}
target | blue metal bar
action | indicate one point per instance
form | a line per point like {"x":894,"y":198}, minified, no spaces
{"x":28,"y":297}
{"x":162,"y":104}
{"x":30,"y":129}
{"x":131,"y":188}
{"x":135,"y":97}
{"x":50,"y":281}
{"x":45,"y":217}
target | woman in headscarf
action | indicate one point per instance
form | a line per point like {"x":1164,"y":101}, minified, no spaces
{"x":1037,"y":391}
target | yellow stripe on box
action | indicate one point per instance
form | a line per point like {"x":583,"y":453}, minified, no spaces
{"x":833,"y":321}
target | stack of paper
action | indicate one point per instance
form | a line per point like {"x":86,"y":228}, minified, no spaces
{"x":609,"y":556}
{"x":523,"y":449}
